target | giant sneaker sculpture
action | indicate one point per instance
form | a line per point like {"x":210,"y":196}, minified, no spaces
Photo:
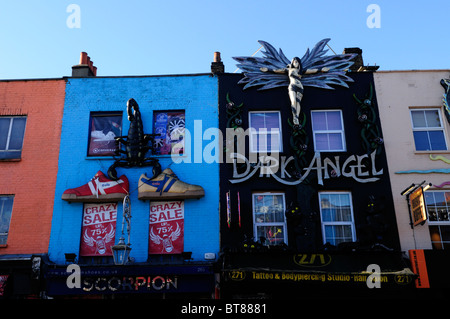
{"x":99,"y":189}
{"x":167,"y":186}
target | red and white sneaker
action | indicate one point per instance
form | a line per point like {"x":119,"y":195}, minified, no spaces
{"x":99,"y":189}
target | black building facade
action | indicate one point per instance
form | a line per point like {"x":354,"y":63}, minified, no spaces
{"x":306,"y":206}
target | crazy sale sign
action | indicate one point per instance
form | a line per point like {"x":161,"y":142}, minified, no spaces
{"x":166,"y":227}
{"x":99,"y":229}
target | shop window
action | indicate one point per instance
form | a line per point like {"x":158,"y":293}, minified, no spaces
{"x":438,"y":207}
{"x":265,"y":133}
{"x":171,"y":127}
{"x":428,"y":130}
{"x":336,"y":213}
{"x":328,"y":131}
{"x":268,"y":218}
{"x":6,"y":204}
{"x":12,"y":131}
{"x":104,"y":127}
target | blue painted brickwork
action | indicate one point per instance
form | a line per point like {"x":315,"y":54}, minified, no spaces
{"x":198,"y":96}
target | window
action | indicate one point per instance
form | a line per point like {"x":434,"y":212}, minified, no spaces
{"x":438,"y":207}
{"x":6,"y":204}
{"x":171,"y":126}
{"x":265,"y":133}
{"x":328,"y":131}
{"x":428,"y":130}
{"x":103,"y":128}
{"x":336,"y":214}
{"x":268,"y":218}
{"x":12,"y":130}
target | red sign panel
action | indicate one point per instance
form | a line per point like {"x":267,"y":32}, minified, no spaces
{"x":99,"y":229}
{"x":166,"y":227}
{"x":419,"y":267}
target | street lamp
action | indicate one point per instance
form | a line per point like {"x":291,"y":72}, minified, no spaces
{"x":121,"y":251}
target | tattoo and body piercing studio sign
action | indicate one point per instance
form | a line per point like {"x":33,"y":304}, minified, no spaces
{"x":321,"y":268}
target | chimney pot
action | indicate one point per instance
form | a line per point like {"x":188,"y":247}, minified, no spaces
{"x":217,"y":65}
{"x":217,"y":57}
{"x":86,"y":67}
{"x":83,"y":58}
{"x":357,"y":60}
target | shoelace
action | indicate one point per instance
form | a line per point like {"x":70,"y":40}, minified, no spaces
{"x":96,"y":185}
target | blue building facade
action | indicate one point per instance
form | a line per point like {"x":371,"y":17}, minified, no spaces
{"x":192,"y":102}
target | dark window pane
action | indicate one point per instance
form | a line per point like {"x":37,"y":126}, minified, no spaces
{"x":17,"y":133}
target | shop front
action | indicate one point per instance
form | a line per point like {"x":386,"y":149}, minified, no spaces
{"x":20,"y":276}
{"x":287,"y":274}
{"x":131,"y":281}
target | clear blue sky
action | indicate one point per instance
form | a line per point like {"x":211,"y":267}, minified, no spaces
{"x":156,"y":37}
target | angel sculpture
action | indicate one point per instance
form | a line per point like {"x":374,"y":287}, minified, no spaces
{"x":313,"y":69}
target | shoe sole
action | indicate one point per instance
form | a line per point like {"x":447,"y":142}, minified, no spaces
{"x":185,"y":195}
{"x":93,"y":198}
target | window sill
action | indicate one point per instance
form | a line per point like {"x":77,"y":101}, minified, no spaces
{"x":431,"y":152}
{"x":10,"y":159}
{"x":109,"y":158}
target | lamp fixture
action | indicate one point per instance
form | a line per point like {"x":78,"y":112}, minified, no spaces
{"x":121,"y":251}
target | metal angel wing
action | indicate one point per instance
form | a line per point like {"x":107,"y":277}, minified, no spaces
{"x":336,"y":65}
{"x":251,"y":66}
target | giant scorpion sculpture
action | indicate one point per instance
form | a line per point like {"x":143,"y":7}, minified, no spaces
{"x":136,"y":145}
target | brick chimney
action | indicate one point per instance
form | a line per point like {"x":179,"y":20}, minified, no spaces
{"x":358,"y":65}
{"x":85,"y":68}
{"x":217,"y":65}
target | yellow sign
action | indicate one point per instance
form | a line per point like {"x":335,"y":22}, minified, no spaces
{"x":312,"y":260}
{"x":417,"y":203}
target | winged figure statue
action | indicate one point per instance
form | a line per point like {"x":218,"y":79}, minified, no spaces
{"x":314,"y":69}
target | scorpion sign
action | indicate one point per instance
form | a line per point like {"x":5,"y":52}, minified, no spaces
{"x":136,"y":144}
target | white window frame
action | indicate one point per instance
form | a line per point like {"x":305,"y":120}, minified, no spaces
{"x":342,"y":131}
{"x":281,"y":224}
{"x":428,"y":129}
{"x":337,"y":223}
{"x":254,"y":134}
{"x":437,"y":222}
